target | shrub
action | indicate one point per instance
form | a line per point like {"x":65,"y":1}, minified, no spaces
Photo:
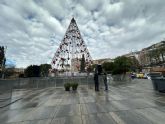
{"x":67,"y":86}
{"x":74,"y":86}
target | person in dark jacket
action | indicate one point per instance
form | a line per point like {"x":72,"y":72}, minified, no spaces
{"x":105,"y":81}
{"x":96,"y":80}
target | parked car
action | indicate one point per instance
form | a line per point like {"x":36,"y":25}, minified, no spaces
{"x":133,"y":75}
{"x":145,"y":76}
{"x":140,"y":75}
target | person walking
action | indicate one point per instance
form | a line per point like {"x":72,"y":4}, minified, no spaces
{"x":105,"y":81}
{"x":96,"y":80}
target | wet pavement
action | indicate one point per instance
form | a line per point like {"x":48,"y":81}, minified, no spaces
{"x":133,"y":103}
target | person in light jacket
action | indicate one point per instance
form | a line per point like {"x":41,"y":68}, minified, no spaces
{"x":105,"y":81}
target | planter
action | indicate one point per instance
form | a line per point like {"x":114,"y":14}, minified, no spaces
{"x":67,"y":89}
{"x":159,"y":84}
{"x":67,"y":86}
{"x":74,"y":86}
{"x":154,"y":83}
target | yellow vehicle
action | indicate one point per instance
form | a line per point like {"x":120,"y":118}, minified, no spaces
{"x":140,"y":75}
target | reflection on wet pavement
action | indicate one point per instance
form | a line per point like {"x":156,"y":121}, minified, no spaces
{"x":135,"y":103}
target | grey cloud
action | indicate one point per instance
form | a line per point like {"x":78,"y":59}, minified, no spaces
{"x":33,"y":29}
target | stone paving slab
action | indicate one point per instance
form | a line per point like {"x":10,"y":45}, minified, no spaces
{"x":131,"y":117}
{"x":133,"y":103}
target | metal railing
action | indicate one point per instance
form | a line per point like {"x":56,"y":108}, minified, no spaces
{"x":26,"y":83}
{"x":7,"y":86}
{"x":5,"y":92}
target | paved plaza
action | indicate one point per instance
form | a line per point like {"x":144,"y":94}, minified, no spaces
{"x":132,"y":103}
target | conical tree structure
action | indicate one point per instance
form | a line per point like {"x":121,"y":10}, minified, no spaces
{"x":69,"y":54}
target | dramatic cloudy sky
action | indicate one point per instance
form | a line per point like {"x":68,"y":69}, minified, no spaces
{"x":33,"y":29}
